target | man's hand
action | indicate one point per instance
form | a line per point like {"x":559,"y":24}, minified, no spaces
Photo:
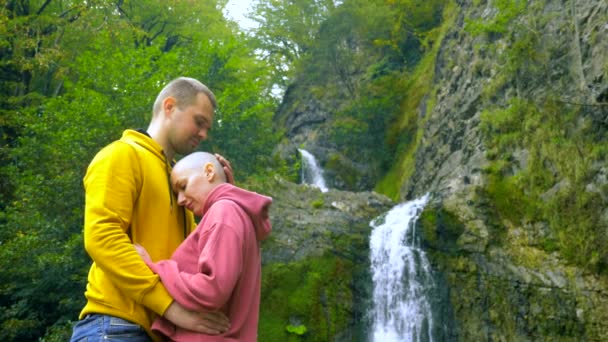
{"x":227,"y":168}
{"x":210,"y":323}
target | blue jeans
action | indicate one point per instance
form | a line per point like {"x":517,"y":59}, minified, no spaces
{"x":95,"y":328}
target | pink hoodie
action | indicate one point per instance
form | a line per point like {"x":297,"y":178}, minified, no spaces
{"x":218,"y":267}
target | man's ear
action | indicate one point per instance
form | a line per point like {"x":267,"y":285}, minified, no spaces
{"x":169,"y":105}
{"x":209,"y":171}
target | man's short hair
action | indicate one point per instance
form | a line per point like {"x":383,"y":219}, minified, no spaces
{"x":184,"y":90}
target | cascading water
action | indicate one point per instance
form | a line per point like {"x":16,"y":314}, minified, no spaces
{"x":311,"y":172}
{"x":402,"y":277}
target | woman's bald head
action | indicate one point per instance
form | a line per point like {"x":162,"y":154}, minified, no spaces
{"x":196,"y":161}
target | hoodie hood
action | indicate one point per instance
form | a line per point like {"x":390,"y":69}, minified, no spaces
{"x":141,"y":138}
{"x":255,"y":205}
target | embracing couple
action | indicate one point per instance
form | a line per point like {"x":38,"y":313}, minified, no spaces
{"x":156,"y":275}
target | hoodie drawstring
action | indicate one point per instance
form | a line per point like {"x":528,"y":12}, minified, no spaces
{"x":184,"y":218}
{"x":169,"y":181}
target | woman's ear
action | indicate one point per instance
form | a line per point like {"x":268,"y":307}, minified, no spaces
{"x":209,"y":171}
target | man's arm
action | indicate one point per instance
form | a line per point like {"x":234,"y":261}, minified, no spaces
{"x":112,"y":186}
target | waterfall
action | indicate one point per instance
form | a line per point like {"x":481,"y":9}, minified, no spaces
{"x":311,"y":172}
{"x":402,"y":277}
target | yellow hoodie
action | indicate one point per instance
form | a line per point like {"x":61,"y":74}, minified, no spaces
{"x":129,"y":200}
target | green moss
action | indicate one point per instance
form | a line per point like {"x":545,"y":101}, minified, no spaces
{"x":298,"y":330}
{"x":501,"y":313}
{"x":428,"y":222}
{"x":507,"y":11}
{"x":315,"y":292}
{"x":440,"y":230}
{"x":582,"y":236}
{"x":390,"y":185}
{"x":509,"y":200}
{"x":318,"y":203}
{"x":562,"y":149}
{"x":342,"y":170}
{"x":406,"y":132}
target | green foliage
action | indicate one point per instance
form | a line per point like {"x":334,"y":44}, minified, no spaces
{"x":552,"y":186}
{"x":365,"y":121}
{"x":404,"y":133}
{"x":286,"y":32}
{"x":354,"y":56}
{"x":60,"y":332}
{"x":363,"y":40}
{"x":515,"y":41}
{"x":25,"y":29}
{"x":315,"y":292}
{"x":506,"y":12}
{"x":509,"y":200}
{"x":440,"y":230}
{"x":581,"y":234}
{"x":298,"y":330}
{"x":346,"y":171}
{"x":244,"y":132}
{"x":316,"y":204}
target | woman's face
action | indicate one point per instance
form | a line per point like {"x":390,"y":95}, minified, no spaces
{"x":192,"y":187}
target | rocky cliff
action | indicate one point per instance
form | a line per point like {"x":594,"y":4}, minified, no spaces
{"x":511,"y":142}
{"x":506,"y":283}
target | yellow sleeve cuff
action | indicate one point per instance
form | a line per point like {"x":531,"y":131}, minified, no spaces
{"x":157,"y":299}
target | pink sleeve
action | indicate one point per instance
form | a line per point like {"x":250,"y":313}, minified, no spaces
{"x":219,"y":266}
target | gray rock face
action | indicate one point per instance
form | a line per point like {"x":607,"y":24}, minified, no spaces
{"x":307,"y":222}
{"x":306,"y":117}
{"x":503,"y":285}
{"x":570,"y":63}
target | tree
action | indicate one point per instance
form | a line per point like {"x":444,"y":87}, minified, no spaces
{"x":75,"y":78}
{"x":286,"y":32}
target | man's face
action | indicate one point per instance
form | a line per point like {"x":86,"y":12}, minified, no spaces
{"x":192,"y":187}
{"x":190,"y":125}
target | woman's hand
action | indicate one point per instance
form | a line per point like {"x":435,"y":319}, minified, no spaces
{"x":206,"y":322}
{"x":143,"y":253}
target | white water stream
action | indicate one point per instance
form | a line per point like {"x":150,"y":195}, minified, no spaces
{"x":311,"y":172}
{"x":401,"y":276}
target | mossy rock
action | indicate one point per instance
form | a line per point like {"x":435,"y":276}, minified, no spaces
{"x":315,"y":292}
{"x":440,"y":230}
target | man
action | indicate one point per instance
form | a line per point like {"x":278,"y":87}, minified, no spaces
{"x":218,"y":267}
{"x":129,"y":200}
